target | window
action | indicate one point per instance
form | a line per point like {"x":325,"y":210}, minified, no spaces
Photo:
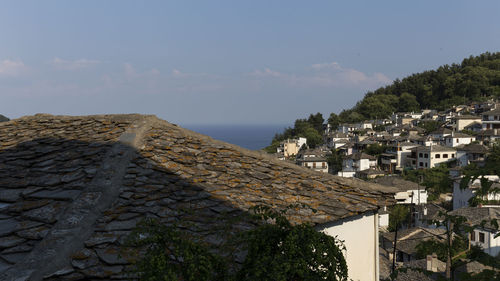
{"x":421,"y":164}
{"x":426,"y":164}
{"x":452,"y":155}
{"x":458,"y":141}
{"x":420,"y":155}
{"x":438,"y":155}
{"x":314,"y":164}
{"x":473,"y":236}
{"x":323,"y":165}
{"x":445,"y":155}
{"x":426,"y":155}
{"x":481,"y":237}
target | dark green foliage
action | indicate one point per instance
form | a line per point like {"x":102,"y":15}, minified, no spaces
{"x":3,"y":118}
{"x":335,"y":161}
{"x":398,"y":216}
{"x":436,"y":180}
{"x":429,"y":126}
{"x":475,"y":79}
{"x":276,"y":250}
{"x":311,"y":129}
{"x":281,"y":251}
{"x":428,"y":247}
{"x":334,"y":121}
{"x":172,"y":255}
{"x":375,"y":149}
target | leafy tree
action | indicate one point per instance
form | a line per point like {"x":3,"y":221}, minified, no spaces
{"x":282,"y":251}
{"x":276,"y":250}
{"x":436,"y":180}
{"x":313,"y":137}
{"x":316,"y":121}
{"x":397,"y":217}
{"x":375,"y":149}
{"x":335,"y":161}
{"x":429,"y":126}
{"x":408,"y":102}
{"x":334,"y":121}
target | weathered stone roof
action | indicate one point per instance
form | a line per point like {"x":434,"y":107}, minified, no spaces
{"x":72,"y":188}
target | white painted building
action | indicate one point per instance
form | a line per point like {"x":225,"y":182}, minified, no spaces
{"x":461,"y":196}
{"x":483,"y":237}
{"x":431,"y":156}
{"x":472,"y":153}
{"x":491,"y":119}
{"x":407,"y":192}
{"x":360,"y":236}
{"x":357,"y":162}
{"x":456,"y":139}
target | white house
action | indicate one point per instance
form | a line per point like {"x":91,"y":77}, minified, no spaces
{"x":456,"y":139}
{"x":431,"y":156}
{"x":471,"y":153}
{"x":336,"y":139}
{"x":396,"y":157}
{"x":356,"y":162}
{"x":290,"y":147}
{"x":491,"y":119}
{"x":460,"y":122}
{"x":313,"y":159}
{"x":482,"y":236}
{"x":408,"y":192}
{"x":461,"y":196}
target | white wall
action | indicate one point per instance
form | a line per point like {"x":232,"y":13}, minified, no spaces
{"x":360,"y":236}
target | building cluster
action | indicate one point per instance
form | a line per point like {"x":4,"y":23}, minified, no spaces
{"x":381,"y":151}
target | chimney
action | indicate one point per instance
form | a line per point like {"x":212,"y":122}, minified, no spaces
{"x":432,"y":262}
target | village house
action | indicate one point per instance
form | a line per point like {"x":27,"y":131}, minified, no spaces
{"x":460,"y":122}
{"x":73,"y":188}
{"x":356,"y":162}
{"x":474,"y":127}
{"x":431,"y":156}
{"x":491,"y":119}
{"x":407,"y":192}
{"x":291,"y":147}
{"x":335,"y":139}
{"x":313,"y":159}
{"x":471,"y":153}
{"x":408,"y":239}
{"x":396,"y":157}
{"x":461,"y":196}
{"x":484,"y":232}
{"x":456,"y":139}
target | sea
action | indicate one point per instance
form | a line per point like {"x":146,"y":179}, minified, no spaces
{"x":254,"y":137}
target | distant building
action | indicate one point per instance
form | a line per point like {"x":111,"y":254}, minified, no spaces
{"x":461,"y":197}
{"x":471,"y":153}
{"x":456,"y":139}
{"x":357,"y":162}
{"x":313,"y":159}
{"x":408,"y":192}
{"x":431,"y":156}
{"x":396,"y":157}
{"x":491,"y":119}
{"x":290,"y":147}
{"x":460,"y":122}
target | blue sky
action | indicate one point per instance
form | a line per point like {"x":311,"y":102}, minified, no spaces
{"x":232,"y":62}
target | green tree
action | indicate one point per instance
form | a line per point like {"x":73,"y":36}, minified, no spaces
{"x":316,"y":121}
{"x":408,"y":102}
{"x":275,"y":250}
{"x":397,"y":217}
{"x":334,"y":121}
{"x":335,"y":161}
{"x":313,"y":137}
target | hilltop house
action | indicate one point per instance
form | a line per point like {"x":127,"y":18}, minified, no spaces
{"x":73,"y":188}
{"x":491,"y":119}
{"x":396,"y":157}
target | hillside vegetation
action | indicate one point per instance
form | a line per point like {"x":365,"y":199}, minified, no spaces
{"x":475,"y":79}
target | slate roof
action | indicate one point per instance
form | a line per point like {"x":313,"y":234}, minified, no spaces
{"x":476,"y":215}
{"x":409,"y":238}
{"x":473,"y":148}
{"x":72,"y":188}
{"x":398,"y":183}
{"x":436,"y":148}
{"x":360,"y":155}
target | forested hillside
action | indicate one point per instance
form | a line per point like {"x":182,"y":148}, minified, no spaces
{"x":475,"y":79}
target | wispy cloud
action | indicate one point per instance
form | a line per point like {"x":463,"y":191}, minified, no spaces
{"x":10,"y":68}
{"x":330,"y":74}
{"x":62,"y":64}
